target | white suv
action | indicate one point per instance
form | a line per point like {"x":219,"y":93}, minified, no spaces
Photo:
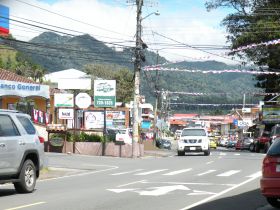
{"x":21,"y":151}
{"x":193,"y":140}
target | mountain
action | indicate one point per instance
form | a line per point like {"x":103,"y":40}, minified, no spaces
{"x":55,"y":53}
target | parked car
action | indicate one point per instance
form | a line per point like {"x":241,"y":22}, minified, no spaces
{"x":124,"y":135}
{"x":223,"y":142}
{"x":21,"y":151}
{"x":193,"y":140}
{"x":244,"y":144}
{"x":163,"y":143}
{"x":213,"y":144}
{"x":262,"y":142}
{"x":231,"y":144}
{"x":270,"y":181}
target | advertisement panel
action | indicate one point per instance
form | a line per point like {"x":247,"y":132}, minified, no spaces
{"x":271,"y":114}
{"x":63,"y":100}
{"x":23,"y":89}
{"x":115,"y":119}
{"x":66,"y":114}
{"x":74,"y":84}
{"x":93,"y":119}
{"x":104,"y":93}
{"x":4,"y":20}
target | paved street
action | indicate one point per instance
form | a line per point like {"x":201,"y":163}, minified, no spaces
{"x":224,"y":180}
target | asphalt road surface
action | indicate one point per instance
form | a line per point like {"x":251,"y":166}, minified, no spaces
{"x":225,"y":180}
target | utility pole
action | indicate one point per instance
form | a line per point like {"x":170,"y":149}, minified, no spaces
{"x":137,"y":68}
{"x":156,"y":104}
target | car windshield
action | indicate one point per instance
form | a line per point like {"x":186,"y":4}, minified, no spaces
{"x":194,"y":132}
{"x":122,"y":131}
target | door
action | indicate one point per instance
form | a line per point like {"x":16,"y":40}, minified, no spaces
{"x":9,"y":145}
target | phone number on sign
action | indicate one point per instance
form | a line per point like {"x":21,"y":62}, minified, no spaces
{"x":104,"y":103}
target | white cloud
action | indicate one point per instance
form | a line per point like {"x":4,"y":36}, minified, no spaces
{"x":197,"y":29}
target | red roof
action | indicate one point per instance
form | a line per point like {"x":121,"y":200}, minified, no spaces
{"x":177,"y":122}
{"x":11,"y":76}
{"x":185,"y":115}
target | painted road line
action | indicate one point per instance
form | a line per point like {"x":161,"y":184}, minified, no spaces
{"x":237,"y":154}
{"x":257,"y":174}
{"x":219,"y":194}
{"x":131,"y":183}
{"x":150,"y":172}
{"x":206,"y":172}
{"x":209,"y":162}
{"x":26,"y":206}
{"x":81,"y":174}
{"x":177,"y":172}
{"x":188,"y":183}
{"x":126,"y":172}
{"x":223,"y":154}
{"x":229,"y":173}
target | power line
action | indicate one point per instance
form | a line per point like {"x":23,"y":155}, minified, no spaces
{"x":197,"y":48}
{"x":64,"y":16}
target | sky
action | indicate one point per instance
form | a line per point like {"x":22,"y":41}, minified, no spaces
{"x":114,"y":21}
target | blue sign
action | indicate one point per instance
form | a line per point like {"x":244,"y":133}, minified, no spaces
{"x":4,"y":17}
{"x":146,"y":124}
{"x":235,"y":122}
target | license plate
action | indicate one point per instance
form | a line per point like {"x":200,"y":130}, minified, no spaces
{"x":278,"y":168}
{"x":192,"y":148}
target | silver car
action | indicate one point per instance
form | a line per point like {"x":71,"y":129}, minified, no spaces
{"x":21,"y":151}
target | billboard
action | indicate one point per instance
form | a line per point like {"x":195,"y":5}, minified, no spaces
{"x":63,"y":100}
{"x":4,"y":20}
{"x":104,"y":93}
{"x":271,"y":114}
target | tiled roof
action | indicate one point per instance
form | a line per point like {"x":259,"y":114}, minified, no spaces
{"x":10,"y":76}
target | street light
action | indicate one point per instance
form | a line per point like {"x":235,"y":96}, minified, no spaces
{"x":137,"y":68}
{"x":153,"y":13}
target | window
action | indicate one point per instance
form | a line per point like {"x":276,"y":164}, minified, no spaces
{"x":26,"y":123}
{"x":7,"y":126}
{"x":274,"y":149}
{"x":193,"y":132}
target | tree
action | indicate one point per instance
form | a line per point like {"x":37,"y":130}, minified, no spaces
{"x":254,"y":21}
{"x":123,"y":77}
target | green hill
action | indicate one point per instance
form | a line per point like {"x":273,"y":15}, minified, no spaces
{"x":54,"y":53}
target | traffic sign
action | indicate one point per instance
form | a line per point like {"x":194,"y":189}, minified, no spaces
{"x":83,"y":100}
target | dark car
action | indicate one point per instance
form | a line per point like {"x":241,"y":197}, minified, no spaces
{"x":163,"y":144}
{"x":270,"y":181}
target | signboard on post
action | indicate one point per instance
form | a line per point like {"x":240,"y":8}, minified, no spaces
{"x":74,"y":84}
{"x":66,"y":114}
{"x":4,"y":20}
{"x":63,"y":100}
{"x":271,"y":114}
{"x":104,"y":93}
{"x":83,"y":100}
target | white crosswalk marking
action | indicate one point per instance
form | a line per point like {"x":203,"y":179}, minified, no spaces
{"x":257,"y":174}
{"x":206,"y":172}
{"x":229,"y":173}
{"x":151,"y":172}
{"x":127,"y":172}
{"x":177,"y":172}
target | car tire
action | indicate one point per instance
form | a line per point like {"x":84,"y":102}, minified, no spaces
{"x":207,"y":153}
{"x":257,"y":148}
{"x":275,"y":202}
{"x":252,"y":147}
{"x":27,"y":178}
{"x":180,"y":153}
